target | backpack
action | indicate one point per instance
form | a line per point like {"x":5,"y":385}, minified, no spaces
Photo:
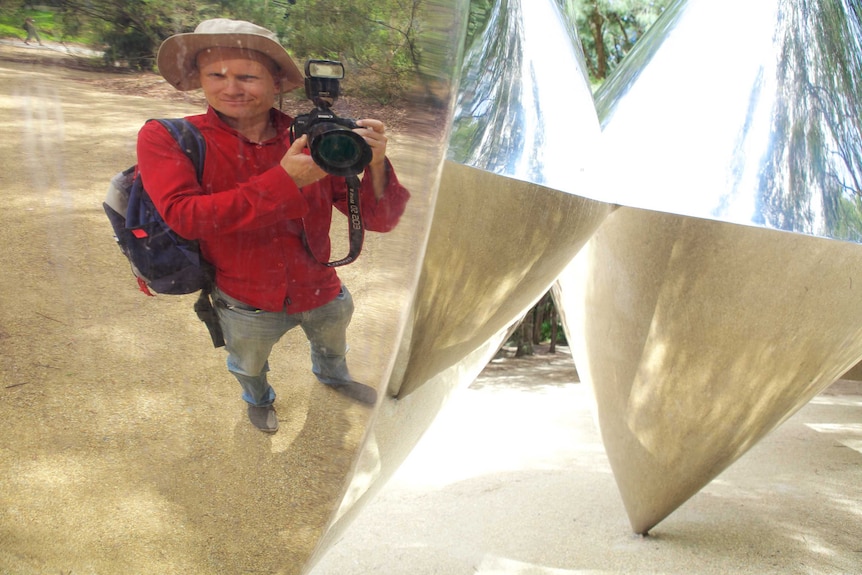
{"x":161,"y":260}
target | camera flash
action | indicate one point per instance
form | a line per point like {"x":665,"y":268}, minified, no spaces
{"x":322,"y":69}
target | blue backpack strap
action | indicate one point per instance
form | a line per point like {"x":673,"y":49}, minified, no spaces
{"x":141,"y":212}
{"x":190,"y":139}
{"x":192,"y":142}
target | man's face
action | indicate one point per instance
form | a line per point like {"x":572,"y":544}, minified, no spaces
{"x":237,"y":83}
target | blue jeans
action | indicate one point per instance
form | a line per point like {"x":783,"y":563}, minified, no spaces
{"x":251,"y":333}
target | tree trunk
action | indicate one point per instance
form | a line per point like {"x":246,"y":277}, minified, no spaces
{"x":554,"y":328}
{"x":597,"y":23}
{"x":523,"y":336}
{"x":538,"y":319}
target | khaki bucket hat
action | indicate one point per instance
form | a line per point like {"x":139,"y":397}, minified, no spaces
{"x":176,"y":59}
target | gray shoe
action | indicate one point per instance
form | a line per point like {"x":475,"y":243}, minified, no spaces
{"x":263,"y":418}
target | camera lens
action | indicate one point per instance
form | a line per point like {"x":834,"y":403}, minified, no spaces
{"x":337,"y":150}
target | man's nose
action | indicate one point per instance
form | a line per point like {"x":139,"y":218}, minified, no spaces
{"x":234,"y":86}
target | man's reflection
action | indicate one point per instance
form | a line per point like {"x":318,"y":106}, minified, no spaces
{"x":263,"y":208}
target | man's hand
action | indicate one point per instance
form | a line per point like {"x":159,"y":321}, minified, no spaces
{"x":374,"y":132}
{"x":300,"y":166}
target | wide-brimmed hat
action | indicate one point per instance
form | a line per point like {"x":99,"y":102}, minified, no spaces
{"x":176,"y":59}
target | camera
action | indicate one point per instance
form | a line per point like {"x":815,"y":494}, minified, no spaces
{"x":334,"y":146}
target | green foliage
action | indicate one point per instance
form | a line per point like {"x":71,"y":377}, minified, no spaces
{"x":608,"y":29}
{"x":376,"y":39}
{"x":130,"y":31}
{"x":12,"y":16}
{"x":546,"y":333}
{"x":480,"y":10}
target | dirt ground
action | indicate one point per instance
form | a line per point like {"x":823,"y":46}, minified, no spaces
{"x":126,"y":448}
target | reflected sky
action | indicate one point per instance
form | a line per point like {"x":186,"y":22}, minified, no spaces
{"x":752,"y":120}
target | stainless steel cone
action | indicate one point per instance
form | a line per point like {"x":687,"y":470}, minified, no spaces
{"x":512,"y":210}
{"x":698,"y":338}
{"x":725,"y":295}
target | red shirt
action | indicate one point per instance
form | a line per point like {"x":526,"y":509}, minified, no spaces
{"x":249,"y":215}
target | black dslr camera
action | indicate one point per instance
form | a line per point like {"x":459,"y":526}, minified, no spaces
{"x":334,"y":146}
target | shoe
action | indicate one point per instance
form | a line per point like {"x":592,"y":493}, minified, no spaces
{"x":263,"y":418}
{"x":355,"y":390}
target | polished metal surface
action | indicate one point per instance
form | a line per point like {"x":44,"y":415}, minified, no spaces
{"x":700,"y":322}
{"x":703,"y":312}
{"x":502,"y":229}
{"x":500,"y":235}
{"x":525,"y":109}
{"x":127,"y":448}
{"x":744,"y":112}
{"x":699,"y":337}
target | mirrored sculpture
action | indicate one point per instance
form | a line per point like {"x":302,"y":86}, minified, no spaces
{"x":126,"y":445}
{"x":127,"y":448}
{"x":715,"y":302}
{"x":510,"y":213}
{"x":718,"y":301}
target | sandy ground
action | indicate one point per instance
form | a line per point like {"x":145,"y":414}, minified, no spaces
{"x":512,"y":479}
{"x":125,"y":446}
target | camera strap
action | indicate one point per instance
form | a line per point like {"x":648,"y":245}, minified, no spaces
{"x":354,"y":222}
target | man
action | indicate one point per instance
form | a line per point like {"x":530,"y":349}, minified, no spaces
{"x":32,"y":33}
{"x":262,"y":210}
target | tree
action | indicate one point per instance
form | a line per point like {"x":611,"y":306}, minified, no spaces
{"x":132,"y":30}
{"x":522,"y":338}
{"x":540,"y":324}
{"x":378,"y":40}
{"x":609,"y":28}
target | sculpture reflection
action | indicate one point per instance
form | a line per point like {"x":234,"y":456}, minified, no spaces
{"x":114,"y":459}
{"x":700,"y":336}
{"x":506,"y":220}
{"x":773,"y":114}
{"x":508,"y":122}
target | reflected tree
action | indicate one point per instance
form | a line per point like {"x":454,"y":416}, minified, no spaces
{"x":814,"y":158}
{"x":609,"y":29}
{"x":378,"y":39}
{"x":130,"y":31}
